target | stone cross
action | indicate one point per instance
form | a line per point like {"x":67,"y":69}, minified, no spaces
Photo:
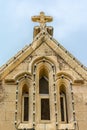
{"x":42,"y":19}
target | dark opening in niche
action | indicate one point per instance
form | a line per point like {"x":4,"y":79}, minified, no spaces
{"x":26,"y":108}
{"x":43,"y":86}
{"x":62,"y":108}
{"x":45,"y":109}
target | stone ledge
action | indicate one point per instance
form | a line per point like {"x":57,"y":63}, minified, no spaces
{"x":68,"y":126}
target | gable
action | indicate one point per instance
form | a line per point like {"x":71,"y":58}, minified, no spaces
{"x":43,"y":51}
{"x":44,"y":45}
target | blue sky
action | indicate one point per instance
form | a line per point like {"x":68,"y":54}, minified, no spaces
{"x":70,"y":25}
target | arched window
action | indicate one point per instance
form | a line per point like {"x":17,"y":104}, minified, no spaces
{"x":44,"y":97}
{"x":63,"y":104}
{"x":25,"y":102}
{"x":43,"y":85}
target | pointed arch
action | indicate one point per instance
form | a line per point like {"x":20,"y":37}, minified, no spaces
{"x":65,"y":75}
{"x":43,"y":59}
{"x":43,"y":81}
{"x":64,"y":81}
{"x":23,"y":98}
{"x":43,"y":69}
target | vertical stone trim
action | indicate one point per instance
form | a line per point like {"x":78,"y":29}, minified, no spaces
{"x":74,"y":118}
{"x":34,"y":95}
{"x":16,"y":104}
{"x":55,"y":98}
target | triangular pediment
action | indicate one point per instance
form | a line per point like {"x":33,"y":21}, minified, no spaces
{"x":43,"y":50}
{"x":44,"y":45}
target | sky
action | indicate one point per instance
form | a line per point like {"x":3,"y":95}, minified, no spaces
{"x":69,"y":23}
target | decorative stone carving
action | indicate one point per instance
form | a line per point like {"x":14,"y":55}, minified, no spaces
{"x":62,"y":64}
{"x":28,"y":59}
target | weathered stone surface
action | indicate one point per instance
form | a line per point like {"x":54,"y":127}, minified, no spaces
{"x":44,"y":57}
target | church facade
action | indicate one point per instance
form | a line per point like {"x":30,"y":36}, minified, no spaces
{"x":43,"y":87}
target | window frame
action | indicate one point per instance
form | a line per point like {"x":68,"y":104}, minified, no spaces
{"x":46,"y":82}
{"x":63,"y":96}
{"x":41,"y":108}
{"x":46,"y":96}
{"x":23,"y":96}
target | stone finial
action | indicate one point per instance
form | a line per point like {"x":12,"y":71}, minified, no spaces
{"x":42,"y":19}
